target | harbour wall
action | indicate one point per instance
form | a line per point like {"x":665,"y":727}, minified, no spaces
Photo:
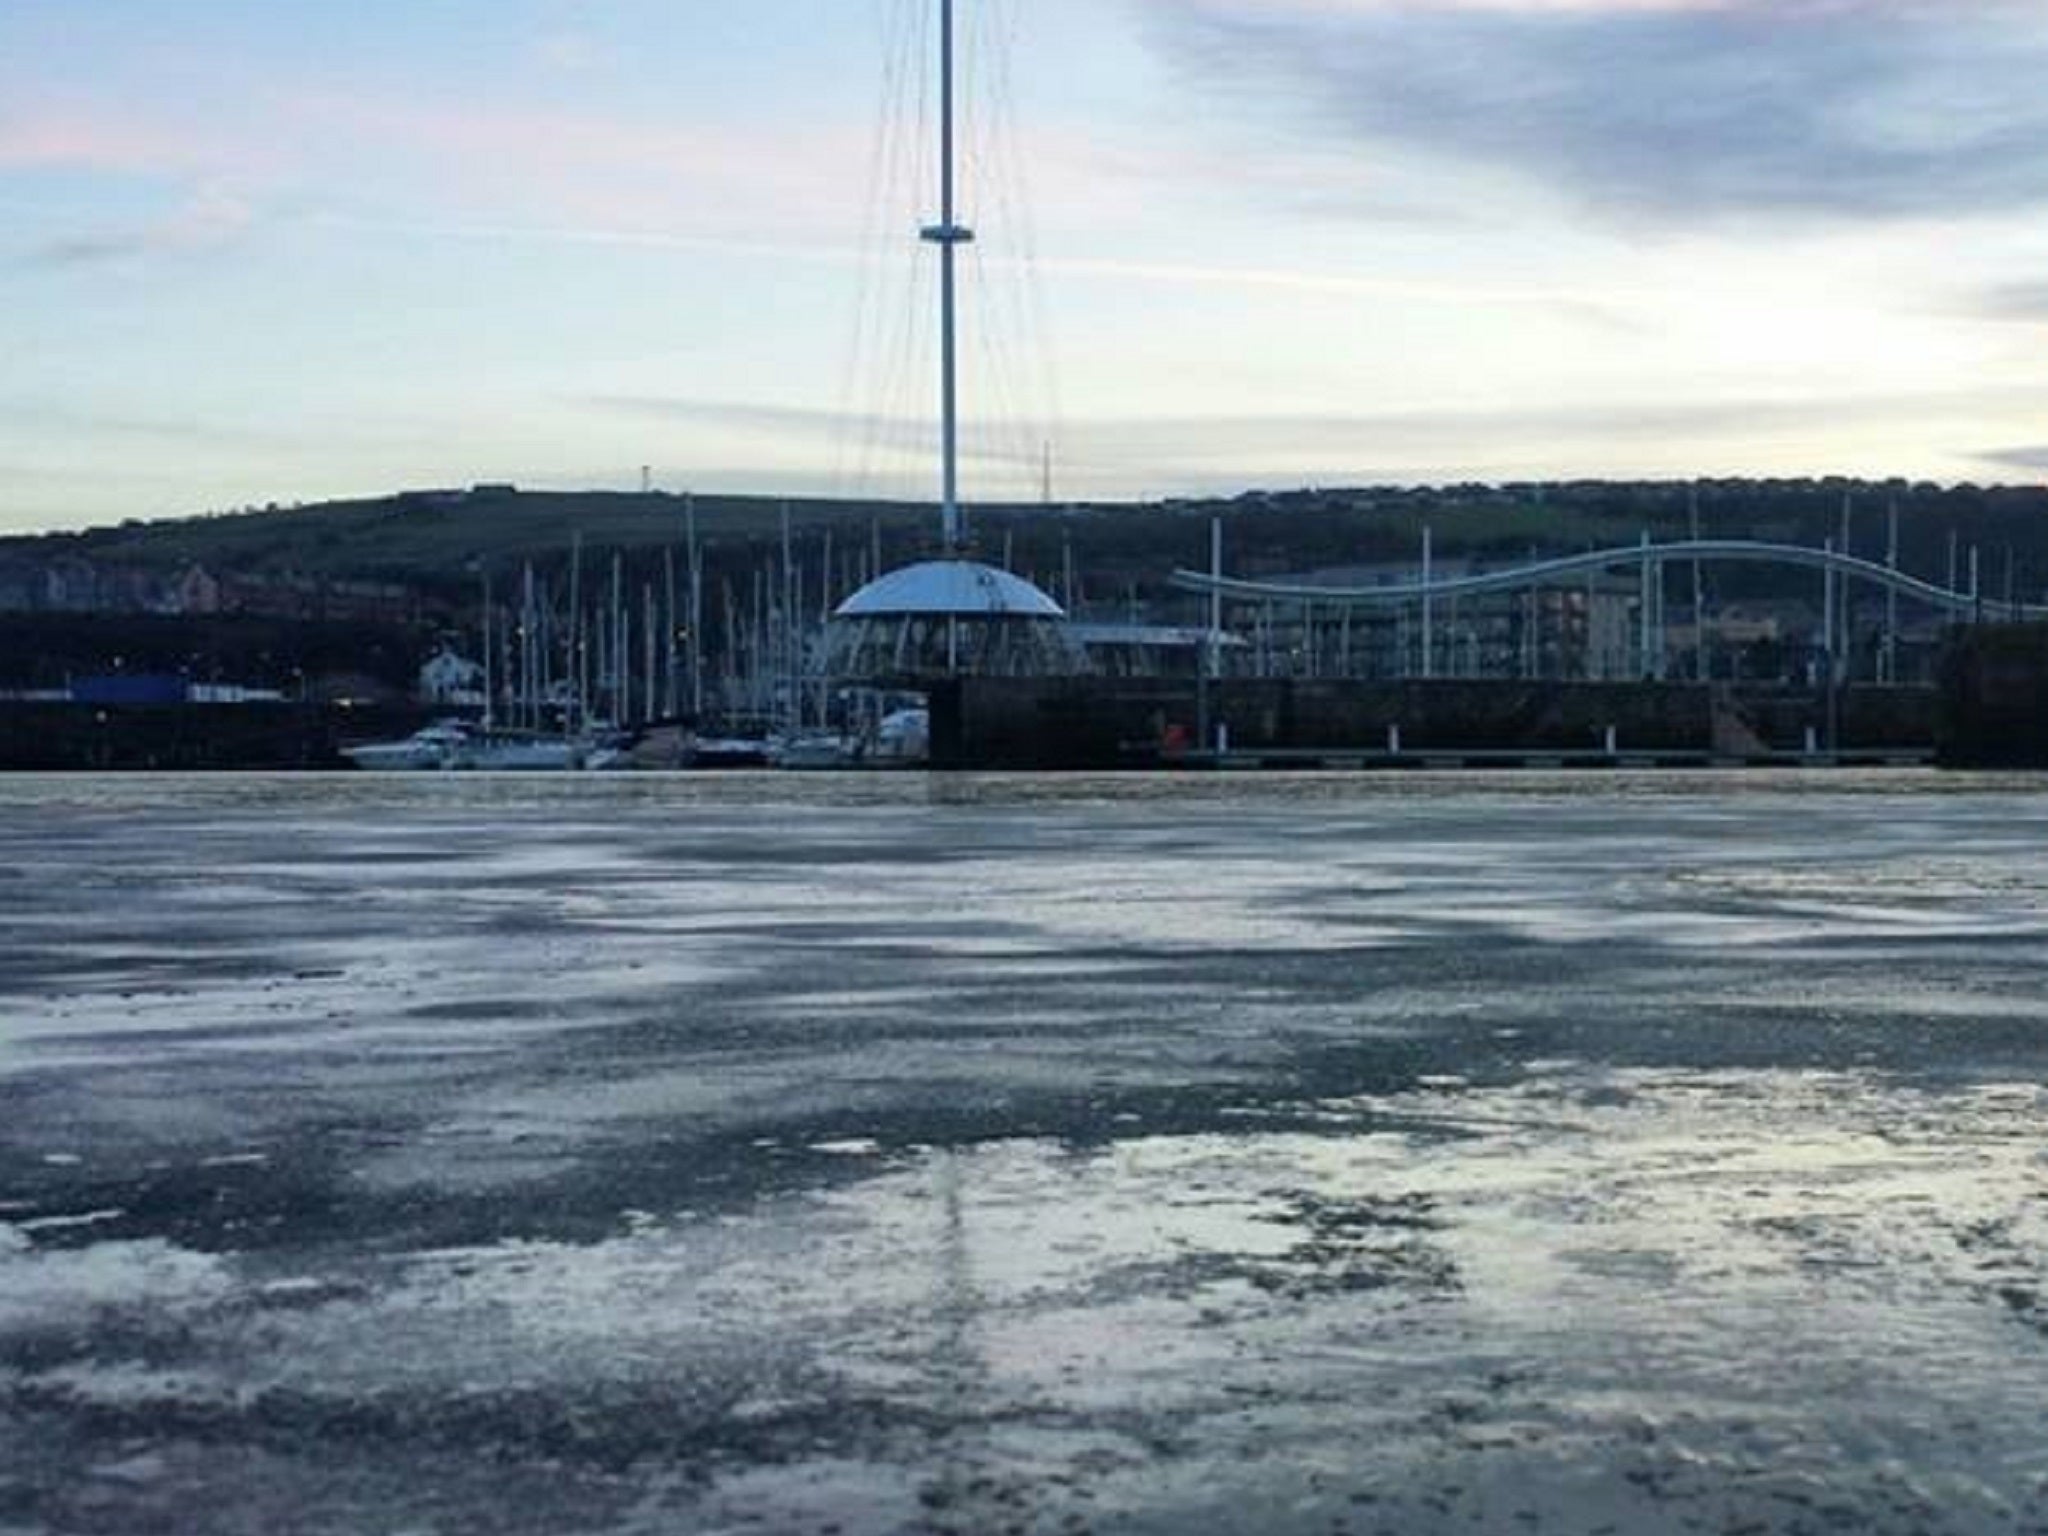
{"x":1095,"y":723}
{"x":38,"y":737}
{"x":1994,"y":698}
{"x":1993,"y":712}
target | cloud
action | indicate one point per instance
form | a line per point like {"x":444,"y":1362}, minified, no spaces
{"x":1357,"y":447}
{"x":50,"y":423}
{"x":571,"y":51}
{"x":77,"y":141}
{"x":210,"y":216}
{"x":202,"y":176}
{"x":2035,"y":459}
{"x":1451,"y":434}
{"x":122,"y":139}
{"x":84,"y":250}
{"x":987,"y":440}
{"x":2024,"y":302}
{"x":501,"y":158}
{"x":1660,"y":110}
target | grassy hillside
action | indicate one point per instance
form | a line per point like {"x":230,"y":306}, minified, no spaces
{"x":410,"y":537}
{"x":442,"y":543}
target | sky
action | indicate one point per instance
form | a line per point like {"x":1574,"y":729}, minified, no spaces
{"x":259,"y":251}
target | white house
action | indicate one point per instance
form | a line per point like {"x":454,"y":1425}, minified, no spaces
{"x":447,"y":678}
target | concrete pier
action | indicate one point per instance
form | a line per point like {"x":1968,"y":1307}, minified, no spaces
{"x":1994,"y":698}
{"x":1090,"y":723}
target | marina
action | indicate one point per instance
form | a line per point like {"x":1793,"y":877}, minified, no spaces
{"x":1387,"y":881}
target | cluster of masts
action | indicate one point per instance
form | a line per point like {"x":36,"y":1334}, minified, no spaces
{"x":662,"y":635}
{"x":576,"y":660}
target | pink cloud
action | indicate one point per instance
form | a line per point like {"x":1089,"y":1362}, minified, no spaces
{"x":796,"y":181}
{"x":466,"y":158}
{"x":76,"y":141}
{"x":105,"y":137}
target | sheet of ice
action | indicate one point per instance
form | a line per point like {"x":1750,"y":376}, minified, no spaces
{"x":1304,"y":1155}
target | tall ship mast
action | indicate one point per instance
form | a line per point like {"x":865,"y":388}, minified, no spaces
{"x":948,"y":235}
{"x":953,"y":615}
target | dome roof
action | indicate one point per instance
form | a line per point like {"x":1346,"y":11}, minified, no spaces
{"x":960,"y":587}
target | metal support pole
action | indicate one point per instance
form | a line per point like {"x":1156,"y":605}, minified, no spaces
{"x":577,"y":705}
{"x":490,"y":661}
{"x":794,"y":708}
{"x":1209,"y":656}
{"x":1828,"y":602}
{"x":650,"y":705}
{"x":1643,"y":600}
{"x":696,"y":610}
{"x":621,"y":660}
{"x":948,"y":235}
{"x":1212,"y":653}
{"x":671,"y":694}
{"x":1660,"y":632}
{"x":1846,"y":614}
{"x":1428,"y":606}
{"x":1891,"y":596}
{"x":1700,"y":668}
{"x":1529,"y":611}
{"x":1593,"y":658}
{"x":1827,"y":616}
{"x":528,"y":652}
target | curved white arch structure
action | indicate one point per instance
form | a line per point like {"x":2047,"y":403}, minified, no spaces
{"x":1545,"y":572}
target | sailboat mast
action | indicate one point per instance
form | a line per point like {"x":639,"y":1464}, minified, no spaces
{"x":948,"y":235}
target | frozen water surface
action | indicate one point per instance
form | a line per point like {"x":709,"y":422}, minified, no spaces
{"x":1414,"y":1155}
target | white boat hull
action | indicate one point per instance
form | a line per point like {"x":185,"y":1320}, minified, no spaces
{"x":455,"y":746}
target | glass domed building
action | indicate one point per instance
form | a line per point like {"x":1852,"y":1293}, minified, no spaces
{"x":949,"y":618}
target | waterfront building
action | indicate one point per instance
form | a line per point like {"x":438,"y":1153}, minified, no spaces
{"x":1582,"y":631}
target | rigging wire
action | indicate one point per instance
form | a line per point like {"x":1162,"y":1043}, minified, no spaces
{"x":910,"y":382}
{"x":890,"y":379}
{"x":874,"y":381}
{"x":996,"y":424}
{"x":882,"y":149}
{"x":1016,"y":323}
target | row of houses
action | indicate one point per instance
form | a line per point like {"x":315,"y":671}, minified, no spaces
{"x":72,"y":584}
